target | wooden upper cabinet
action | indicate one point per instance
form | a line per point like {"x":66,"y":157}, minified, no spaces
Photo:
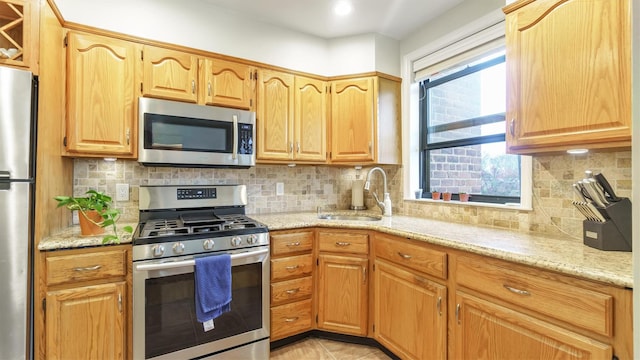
{"x":365,"y":121}
{"x":275,"y":115}
{"x":176,"y":75}
{"x":19,"y":23}
{"x":569,"y":75}
{"x":101,"y":96}
{"x":352,"y":119}
{"x":310,"y":120}
{"x":228,"y":83}
{"x":170,"y":74}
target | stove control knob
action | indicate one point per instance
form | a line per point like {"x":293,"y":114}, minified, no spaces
{"x":236,"y":241}
{"x":178,"y":248}
{"x":158,"y":250}
{"x":208,"y":244}
{"x":252,"y":239}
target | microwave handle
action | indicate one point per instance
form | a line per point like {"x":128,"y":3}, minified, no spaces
{"x":234,"y":152}
{"x":175,"y":264}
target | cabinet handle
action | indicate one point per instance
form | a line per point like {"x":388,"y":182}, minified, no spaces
{"x":342,"y":243}
{"x":404,"y":256}
{"x":88,"y":268}
{"x":298,"y":145}
{"x":291,"y":319}
{"x":291,"y":268}
{"x":370,"y":147}
{"x":458,"y":313}
{"x":128,"y":136}
{"x":517,"y":291}
{"x":512,"y":126}
{"x":209,"y":88}
{"x":364,"y":275}
{"x":193,"y":86}
{"x":292,"y":291}
{"x":439,"y":305}
{"x":291,"y":147}
{"x":120,"y":302}
{"x":297,"y":243}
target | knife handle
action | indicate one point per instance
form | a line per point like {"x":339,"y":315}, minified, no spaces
{"x":606,"y":187}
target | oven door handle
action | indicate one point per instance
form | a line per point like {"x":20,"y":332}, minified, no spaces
{"x":192,"y":262}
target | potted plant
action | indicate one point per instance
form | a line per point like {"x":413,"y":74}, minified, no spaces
{"x":446,"y":196}
{"x":464,"y":197}
{"x":94,"y":214}
{"x":435,"y":195}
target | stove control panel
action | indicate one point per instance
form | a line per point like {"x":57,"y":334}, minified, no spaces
{"x":197,"y":193}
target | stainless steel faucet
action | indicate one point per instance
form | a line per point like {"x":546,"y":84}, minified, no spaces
{"x":384,"y":205}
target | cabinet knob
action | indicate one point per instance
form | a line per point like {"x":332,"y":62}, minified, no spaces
{"x":193,"y":86}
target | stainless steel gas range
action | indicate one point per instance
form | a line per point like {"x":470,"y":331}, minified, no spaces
{"x":178,"y":224}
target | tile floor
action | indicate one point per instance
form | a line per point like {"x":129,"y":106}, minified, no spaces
{"x":322,"y":349}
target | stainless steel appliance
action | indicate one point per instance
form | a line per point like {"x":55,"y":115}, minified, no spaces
{"x":178,"y":224}
{"x":173,"y":133}
{"x":18,"y":104}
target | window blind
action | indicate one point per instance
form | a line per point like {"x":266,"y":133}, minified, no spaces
{"x":464,"y":50}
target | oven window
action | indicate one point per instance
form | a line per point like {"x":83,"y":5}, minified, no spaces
{"x":186,"y":134}
{"x":170,"y":314}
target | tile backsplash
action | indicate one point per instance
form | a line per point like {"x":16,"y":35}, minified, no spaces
{"x":307,"y":187}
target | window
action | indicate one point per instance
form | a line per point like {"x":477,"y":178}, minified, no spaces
{"x":462,"y":132}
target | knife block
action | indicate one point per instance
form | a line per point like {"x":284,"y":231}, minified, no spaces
{"x":613,"y":234}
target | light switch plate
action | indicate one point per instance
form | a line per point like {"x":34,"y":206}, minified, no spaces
{"x":122,"y":192}
{"x":279,"y":189}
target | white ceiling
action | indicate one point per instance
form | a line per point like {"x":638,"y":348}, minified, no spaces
{"x":393,"y":18}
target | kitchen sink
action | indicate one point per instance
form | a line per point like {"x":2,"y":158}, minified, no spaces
{"x":349,"y":217}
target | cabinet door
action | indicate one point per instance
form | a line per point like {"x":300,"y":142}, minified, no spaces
{"x":343,"y":294}
{"x":569,"y":71}
{"x":484,"y":330}
{"x":101,"y":95}
{"x":86,"y":322}
{"x":352,"y":119}
{"x":410,"y":313}
{"x":170,"y":74}
{"x":227,"y":83}
{"x":19,"y":32}
{"x":275,"y":115}
{"x":310,"y":119}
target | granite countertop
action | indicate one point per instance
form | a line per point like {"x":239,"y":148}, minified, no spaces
{"x":561,"y":254}
{"x":71,"y":238}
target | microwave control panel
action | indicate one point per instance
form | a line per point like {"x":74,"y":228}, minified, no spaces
{"x":245,"y":139}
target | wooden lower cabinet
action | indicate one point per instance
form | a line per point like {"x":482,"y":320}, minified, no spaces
{"x":410,"y":313}
{"x":343,"y":294}
{"x":86,"y":303}
{"x":484,"y":330}
{"x":86,"y":322}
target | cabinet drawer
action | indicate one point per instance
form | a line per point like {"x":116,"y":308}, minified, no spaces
{"x":428,"y":261}
{"x":286,"y":243}
{"x":290,"y":319}
{"x":291,"y":267}
{"x":291,"y":290}
{"x":545,"y":293}
{"x":343,"y":242}
{"x":87,"y":266}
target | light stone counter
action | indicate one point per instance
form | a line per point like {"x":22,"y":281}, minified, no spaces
{"x":561,"y":254}
{"x":71,"y":238}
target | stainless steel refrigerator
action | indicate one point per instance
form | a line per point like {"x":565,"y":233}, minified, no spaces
{"x":18,"y":104}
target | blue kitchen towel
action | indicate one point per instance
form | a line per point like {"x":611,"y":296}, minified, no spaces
{"x":213,"y":286}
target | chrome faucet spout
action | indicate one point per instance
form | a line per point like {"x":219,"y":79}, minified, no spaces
{"x":384,"y":205}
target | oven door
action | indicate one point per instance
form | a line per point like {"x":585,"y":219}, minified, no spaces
{"x":164,"y":320}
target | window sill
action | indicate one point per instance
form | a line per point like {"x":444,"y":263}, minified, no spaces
{"x":509,"y":206}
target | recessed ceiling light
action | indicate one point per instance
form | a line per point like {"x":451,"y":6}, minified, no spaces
{"x":342,"y":8}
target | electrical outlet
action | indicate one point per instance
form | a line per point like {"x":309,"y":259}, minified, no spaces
{"x":74,"y":218}
{"x":122,"y":192}
{"x":279,"y":189}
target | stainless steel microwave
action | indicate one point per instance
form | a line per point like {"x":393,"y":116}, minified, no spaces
{"x":173,"y":133}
